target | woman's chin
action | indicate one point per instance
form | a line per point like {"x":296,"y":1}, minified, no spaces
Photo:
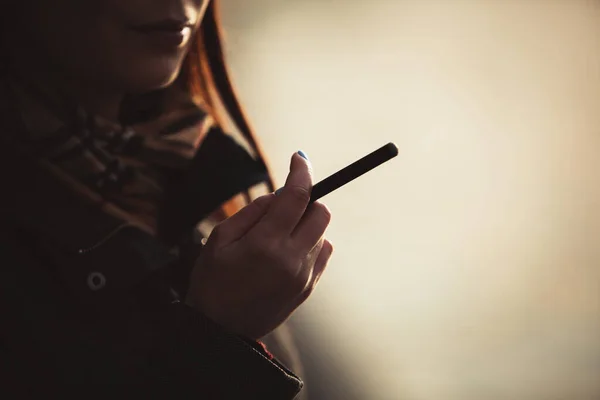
{"x":151,"y":79}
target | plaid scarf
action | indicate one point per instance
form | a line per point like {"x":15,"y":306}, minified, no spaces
{"x":128,"y":166}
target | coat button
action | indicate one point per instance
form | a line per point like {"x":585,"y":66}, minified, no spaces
{"x":96,"y":281}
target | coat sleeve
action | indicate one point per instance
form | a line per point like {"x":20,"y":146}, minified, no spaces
{"x":48,"y":337}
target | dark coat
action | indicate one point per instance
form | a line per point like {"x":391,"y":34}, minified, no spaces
{"x":87,"y":299}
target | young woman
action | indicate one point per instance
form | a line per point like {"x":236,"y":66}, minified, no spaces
{"x":114,"y":169}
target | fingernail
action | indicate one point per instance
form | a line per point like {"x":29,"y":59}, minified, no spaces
{"x":303,"y":155}
{"x":278,"y":191}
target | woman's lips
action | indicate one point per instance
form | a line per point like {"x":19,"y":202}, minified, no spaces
{"x":168,"y":33}
{"x":168,"y":38}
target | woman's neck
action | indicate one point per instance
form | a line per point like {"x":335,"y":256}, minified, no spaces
{"x":95,"y":99}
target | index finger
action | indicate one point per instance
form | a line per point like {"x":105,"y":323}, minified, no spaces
{"x":287,"y":209}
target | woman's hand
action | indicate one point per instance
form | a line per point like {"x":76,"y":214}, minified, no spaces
{"x":260,"y":264}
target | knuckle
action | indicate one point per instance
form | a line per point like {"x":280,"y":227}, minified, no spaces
{"x":305,"y":277}
{"x":299,"y":284}
{"x":262,"y":246}
{"x":295,"y":274}
{"x":300,"y":193}
{"x":317,"y":250}
{"x":271,"y":251}
{"x":329,"y":246}
{"x":306,"y":294}
{"x":283,"y":260}
{"x":262,"y":202}
{"x":323,"y":211}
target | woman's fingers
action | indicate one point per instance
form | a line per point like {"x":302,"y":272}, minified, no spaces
{"x":287,"y":208}
{"x":326,"y":250}
{"x":308,"y":269}
{"x":312,"y":226}
{"x":236,"y":226}
{"x":321,"y":263}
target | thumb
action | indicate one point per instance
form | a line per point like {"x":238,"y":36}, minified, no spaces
{"x":236,"y":226}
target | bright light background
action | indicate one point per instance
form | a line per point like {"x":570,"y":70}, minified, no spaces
{"x":468,"y":267}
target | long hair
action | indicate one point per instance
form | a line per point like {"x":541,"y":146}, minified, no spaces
{"x":207,"y":78}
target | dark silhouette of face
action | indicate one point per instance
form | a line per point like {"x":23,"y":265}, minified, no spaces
{"x":130,"y":46}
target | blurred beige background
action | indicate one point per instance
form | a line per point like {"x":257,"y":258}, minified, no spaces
{"x":469,"y":267}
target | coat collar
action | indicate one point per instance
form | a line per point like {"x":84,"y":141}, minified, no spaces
{"x":50,"y":201}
